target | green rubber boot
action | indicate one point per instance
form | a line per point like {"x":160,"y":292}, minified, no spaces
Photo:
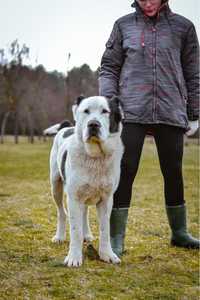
{"x":177,"y":221}
{"x":118,"y":221}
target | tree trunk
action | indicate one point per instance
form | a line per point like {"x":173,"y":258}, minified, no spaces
{"x":44,"y":138}
{"x":16,"y":129}
{"x":31,"y":129}
{"x":3,"y":126}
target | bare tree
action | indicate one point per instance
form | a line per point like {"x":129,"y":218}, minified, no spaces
{"x":11,"y":65}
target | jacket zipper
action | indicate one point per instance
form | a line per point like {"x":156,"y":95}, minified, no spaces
{"x":154,"y":73}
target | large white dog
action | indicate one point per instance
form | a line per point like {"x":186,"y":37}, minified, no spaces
{"x":85,"y":163}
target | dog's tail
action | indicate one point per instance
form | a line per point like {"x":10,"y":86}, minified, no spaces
{"x":52,"y":130}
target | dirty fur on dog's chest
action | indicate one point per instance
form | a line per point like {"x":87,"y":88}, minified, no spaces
{"x":95,"y":179}
{"x":92,"y":195}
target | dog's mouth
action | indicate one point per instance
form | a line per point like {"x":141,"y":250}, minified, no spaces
{"x":93,"y":138}
{"x":93,"y":131}
{"x":95,"y":141}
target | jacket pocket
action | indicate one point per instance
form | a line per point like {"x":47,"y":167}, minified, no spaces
{"x":182,"y":92}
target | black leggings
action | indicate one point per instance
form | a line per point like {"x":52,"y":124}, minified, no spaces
{"x":169,"y":143}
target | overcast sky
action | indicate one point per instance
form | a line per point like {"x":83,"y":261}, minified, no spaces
{"x":52,"y":28}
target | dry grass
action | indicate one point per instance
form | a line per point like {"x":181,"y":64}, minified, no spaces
{"x":31,"y":266}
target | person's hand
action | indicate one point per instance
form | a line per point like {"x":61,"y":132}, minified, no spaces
{"x":193,"y":125}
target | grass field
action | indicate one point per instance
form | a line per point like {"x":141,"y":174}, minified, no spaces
{"x":31,"y":266}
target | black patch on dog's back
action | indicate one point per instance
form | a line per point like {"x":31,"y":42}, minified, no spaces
{"x":68,"y":132}
{"x":65,"y":123}
{"x":64,"y":157}
{"x":115,"y":114}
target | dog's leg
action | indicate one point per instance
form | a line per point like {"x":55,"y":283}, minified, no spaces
{"x":87,"y":234}
{"x":57,"y":192}
{"x":74,"y":257}
{"x":105,"y":250}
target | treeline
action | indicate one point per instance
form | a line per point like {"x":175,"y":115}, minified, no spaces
{"x":32,"y":99}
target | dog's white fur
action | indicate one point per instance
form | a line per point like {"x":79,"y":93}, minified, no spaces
{"x":90,"y":176}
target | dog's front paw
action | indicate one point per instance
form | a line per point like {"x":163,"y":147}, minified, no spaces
{"x":73,"y":260}
{"x":58,"y":239}
{"x":109,"y":256}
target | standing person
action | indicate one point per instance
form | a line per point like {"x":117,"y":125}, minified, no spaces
{"x":152,"y":62}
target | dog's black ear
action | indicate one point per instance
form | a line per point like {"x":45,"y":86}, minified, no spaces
{"x":116,"y":113}
{"x":115,"y":99}
{"x":75,"y":106}
{"x":117,"y":107}
{"x":79,"y":99}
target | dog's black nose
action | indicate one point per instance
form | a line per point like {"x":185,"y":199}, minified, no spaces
{"x":94,"y":124}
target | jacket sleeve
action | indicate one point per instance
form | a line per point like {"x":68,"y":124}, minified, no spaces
{"x":111,"y":64}
{"x":190,"y":65}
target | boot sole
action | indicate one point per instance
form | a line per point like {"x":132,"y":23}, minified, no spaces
{"x":187,"y":246}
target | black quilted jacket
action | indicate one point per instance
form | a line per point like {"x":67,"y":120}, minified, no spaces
{"x":153,"y":65}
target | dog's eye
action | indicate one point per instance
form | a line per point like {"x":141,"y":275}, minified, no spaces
{"x":105,"y":111}
{"x":86,"y":111}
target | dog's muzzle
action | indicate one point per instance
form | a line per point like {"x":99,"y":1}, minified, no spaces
{"x":93,"y":128}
